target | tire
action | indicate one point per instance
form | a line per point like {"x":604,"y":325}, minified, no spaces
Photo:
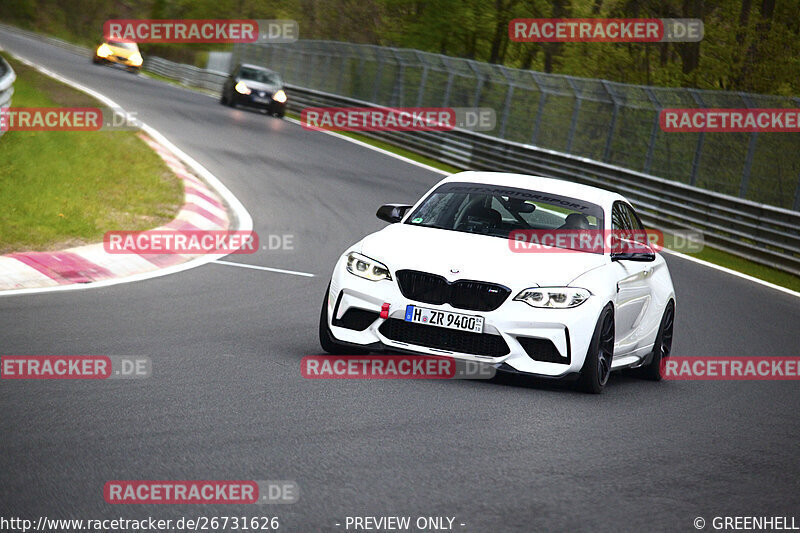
{"x":326,"y":337}
{"x":662,"y":348}
{"x":597,"y":366}
{"x":223,"y":99}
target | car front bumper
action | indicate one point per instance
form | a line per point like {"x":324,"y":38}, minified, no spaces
{"x":118,"y":60}
{"x":255,"y":99}
{"x":561,"y":335}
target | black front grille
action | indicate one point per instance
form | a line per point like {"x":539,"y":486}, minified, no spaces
{"x":444,"y":338}
{"x":356,"y":319}
{"x":463,"y":294}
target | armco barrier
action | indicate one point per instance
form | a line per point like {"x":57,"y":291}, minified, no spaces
{"x":761,"y":233}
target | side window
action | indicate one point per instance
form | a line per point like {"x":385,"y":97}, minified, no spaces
{"x":619,"y":218}
{"x":633,"y":218}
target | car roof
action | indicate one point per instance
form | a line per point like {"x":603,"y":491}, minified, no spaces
{"x":596,"y":195}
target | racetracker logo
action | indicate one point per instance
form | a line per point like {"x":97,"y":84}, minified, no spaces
{"x":201,"y":492}
{"x":605,"y":30}
{"x":392,"y":367}
{"x":398,"y":118}
{"x":189,"y":242}
{"x":585,"y":240}
{"x":67,"y":119}
{"x":730,"y":120}
{"x":731,"y":368}
{"x":200,"y":31}
{"x":74,"y":367}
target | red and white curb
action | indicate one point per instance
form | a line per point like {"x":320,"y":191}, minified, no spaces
{"x":202,"y":210}
{"x":208,"y":205}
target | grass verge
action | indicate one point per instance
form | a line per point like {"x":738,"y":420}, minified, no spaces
{"x":63,"y":188}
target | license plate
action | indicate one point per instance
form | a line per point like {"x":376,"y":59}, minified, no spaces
{"x":444,"y":319}
{"x":260,"y":100}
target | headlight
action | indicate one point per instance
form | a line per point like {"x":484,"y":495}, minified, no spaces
{"x":103,"y":50}
{"x":364,"y":267}
{"x":553,"y":297}
{"x":279,"y":96}
{"x":242,"y":88}
{"x":136,"y":59}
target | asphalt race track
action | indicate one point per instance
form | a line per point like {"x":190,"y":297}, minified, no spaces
{"x":227,"y":401}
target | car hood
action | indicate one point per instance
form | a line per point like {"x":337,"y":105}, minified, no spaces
{"x":475,"y":257}
{"x":270,"y":88}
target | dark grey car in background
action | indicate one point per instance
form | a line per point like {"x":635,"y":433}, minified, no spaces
{"x":255,"y":86}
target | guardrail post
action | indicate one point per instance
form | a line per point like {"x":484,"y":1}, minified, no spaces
{"x":344,"y":65}
{"x":327,"y":62}
{"x":506,"y":104}
{"x":378,"y":76}
{"x":751,"y":150}
{"x":796,"y":205}
{"x":424,"y":80}
{"x":575,"y":110}
{"x":476,"y":99}
{"x":700,"y":140}
{"x":539,"y":109}
{"x":613,"y":125}
{"x":449,"y":86}
{"x":399,"y":80}
{"x":651,"y":145}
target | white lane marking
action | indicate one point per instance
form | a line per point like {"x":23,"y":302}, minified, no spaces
{"x":444,"y":173}
{"x":268,"y":269}
{"x":733,"y":272}
{"x":245,"y":221}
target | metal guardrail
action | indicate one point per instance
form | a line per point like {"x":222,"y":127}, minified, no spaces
{"x":186,"y":74}
{"x":7,"y":77}
{"x":761,"y":233}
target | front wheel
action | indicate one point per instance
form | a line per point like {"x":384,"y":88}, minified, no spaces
{"x":662,"y":347}
{"x":597,"y":366}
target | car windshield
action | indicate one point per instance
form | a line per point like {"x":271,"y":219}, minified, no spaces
{"x":497,"y":211}
{"x":262,"y":76}
{"x":126,"y":46}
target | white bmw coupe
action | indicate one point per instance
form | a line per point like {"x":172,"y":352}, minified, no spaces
{"x":485,"y":267}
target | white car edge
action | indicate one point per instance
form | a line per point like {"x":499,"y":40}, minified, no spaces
{"x":623,"y":318}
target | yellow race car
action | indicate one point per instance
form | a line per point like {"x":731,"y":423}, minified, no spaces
{"x":120,"y":53}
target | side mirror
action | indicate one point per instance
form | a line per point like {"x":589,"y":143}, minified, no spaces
{"x":392,"y":213}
